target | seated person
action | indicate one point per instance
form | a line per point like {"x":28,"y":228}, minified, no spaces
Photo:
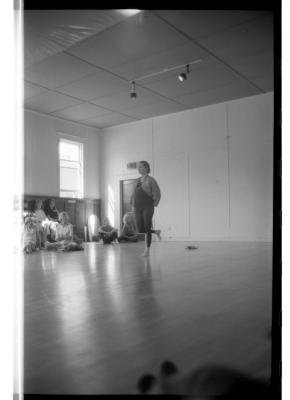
{"x":64,"y":238}
{"x":52,"y":215}
{"x":30,"y":236}
{"x":50,"y":210}
{"x":27,"y":208}
{"x":42,"y":221}
{"x":107,"y":232}
{"x":129,"y":230}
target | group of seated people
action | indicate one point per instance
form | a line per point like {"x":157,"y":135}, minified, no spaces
{"x":109,"y":234}
{"x":44,"y":227}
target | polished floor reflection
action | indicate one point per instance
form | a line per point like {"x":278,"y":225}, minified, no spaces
{"x":94,"y":321}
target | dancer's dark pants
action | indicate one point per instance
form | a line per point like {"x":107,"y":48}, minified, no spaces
{"x":144,"y":210}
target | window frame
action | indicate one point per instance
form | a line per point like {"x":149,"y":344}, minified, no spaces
{"x":80,"y":169}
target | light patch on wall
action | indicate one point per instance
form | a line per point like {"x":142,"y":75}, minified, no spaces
{"x":129,"y":12}
{"x":111,"y":205}
{"x":93,"y":224}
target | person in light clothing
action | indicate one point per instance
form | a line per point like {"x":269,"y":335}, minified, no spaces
{"x":65,"y":240}
{"x":29,"y":234}
{"x":64,"y":229}
{"x":129,"y":230}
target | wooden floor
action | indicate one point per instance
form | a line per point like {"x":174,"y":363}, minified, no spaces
{"x":94,"y":321}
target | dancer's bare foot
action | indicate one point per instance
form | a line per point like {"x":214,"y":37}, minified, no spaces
{"x":158,"y":233}
{"x":146,"y":253}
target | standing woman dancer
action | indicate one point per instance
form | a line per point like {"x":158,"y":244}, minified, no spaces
{"x":145,"y":197}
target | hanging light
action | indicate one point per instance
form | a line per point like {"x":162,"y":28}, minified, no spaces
{"x":133,"y":93}
{"x":183,"y":76}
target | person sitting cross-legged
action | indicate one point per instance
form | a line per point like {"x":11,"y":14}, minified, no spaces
{"x":107,"y":232}
{"x":65,"y":240}
{"x":129,"y":231}
{"x":30,"y":236}
{"x":42,"y":221}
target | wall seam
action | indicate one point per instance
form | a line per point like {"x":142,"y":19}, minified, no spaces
{"x":152,"y":144}
{"x":188,"y":194}
{"x":228,"y":166}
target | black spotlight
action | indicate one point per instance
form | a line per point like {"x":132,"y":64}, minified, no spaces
{"x":133,"y":93}
{"x":182,"y":77}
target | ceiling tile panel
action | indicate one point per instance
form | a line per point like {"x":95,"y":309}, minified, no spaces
{"x":217,"y":95}
{"x":109,"y":119}
{"x":123,"y":101}
{"x":198,"y":80}
{"x":255,"y":65}
{"x":140,"y":36}
{"x":243,"y":40}
{"x":31,"y":90}
{"x":265,"y":82}
{"x":196,"y":23}
{"x":166,"y":59}
{"x":80,"y":112}
{"x":57,"y":70}
{"x":151,"y":110}
{"x":93,"y":86}
{"x":50,"y":32}
{"x":50,"y":102}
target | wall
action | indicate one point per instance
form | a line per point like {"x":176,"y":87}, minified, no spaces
{"x":41,"y":135}
{"x":213,"y":164}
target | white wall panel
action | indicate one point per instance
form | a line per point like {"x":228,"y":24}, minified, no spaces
{"x":187,"y":130}
{"x":251,"y":167}
{"x":172,"y":213}
{"x":209,"y":201}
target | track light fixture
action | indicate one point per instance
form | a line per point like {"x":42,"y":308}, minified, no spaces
{"x":183,"y":76}
{"x":133,"y":93}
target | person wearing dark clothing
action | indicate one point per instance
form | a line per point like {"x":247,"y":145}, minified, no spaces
{"x":52,"y":216}
{"x":146,"y":195}
{"x":50,"y":210}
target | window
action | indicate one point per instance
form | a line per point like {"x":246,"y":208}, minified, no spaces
{"x":70,"y":169}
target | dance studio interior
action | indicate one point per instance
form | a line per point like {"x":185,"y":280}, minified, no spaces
{"x":192,"y":93}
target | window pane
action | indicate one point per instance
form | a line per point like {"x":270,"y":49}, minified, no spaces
{"x":69,"y":194}
{"x":71,"y":171}
{"x":69,"y":179}
{"x":69,"y":151}
{"x":69,"y":164}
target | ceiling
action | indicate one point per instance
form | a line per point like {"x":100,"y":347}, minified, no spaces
{"x":78,"y":64}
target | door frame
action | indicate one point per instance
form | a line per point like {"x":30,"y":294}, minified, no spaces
{"x":121,"y":178}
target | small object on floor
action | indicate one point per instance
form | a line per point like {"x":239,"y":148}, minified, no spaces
{"x":191,"y":247}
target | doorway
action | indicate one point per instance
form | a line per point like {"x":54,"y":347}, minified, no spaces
{"x":126,"y":190}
